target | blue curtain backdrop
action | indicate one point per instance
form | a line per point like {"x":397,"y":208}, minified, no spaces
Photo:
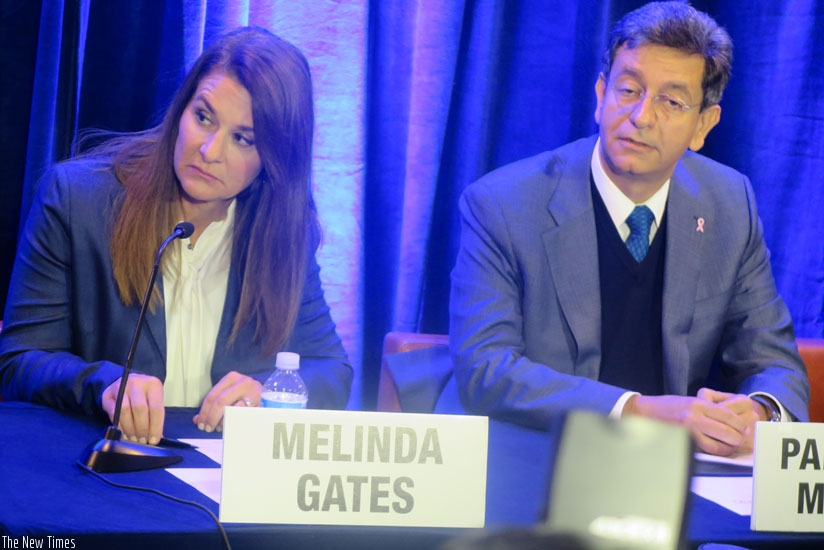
{"x":415,"y":99}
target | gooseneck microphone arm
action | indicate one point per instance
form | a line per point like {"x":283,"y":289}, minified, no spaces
{"x":111,"y":454}
{"x":183,"y":230}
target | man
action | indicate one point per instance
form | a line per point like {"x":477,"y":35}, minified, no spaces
{"x":551,"y":311}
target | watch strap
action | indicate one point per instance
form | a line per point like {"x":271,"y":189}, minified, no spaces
{"x":773,"y":412}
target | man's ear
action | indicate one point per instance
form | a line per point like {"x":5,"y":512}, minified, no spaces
{"x":600,"y":90}
{"x":707,"y":119}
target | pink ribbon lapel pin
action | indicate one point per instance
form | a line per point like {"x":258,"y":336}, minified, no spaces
{"x":699,"y":224}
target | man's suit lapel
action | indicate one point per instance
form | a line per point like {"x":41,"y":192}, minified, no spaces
{"x":572,"y":251}
{"x":686,"y":213}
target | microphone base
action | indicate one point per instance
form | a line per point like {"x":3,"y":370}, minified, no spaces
{"x":111,"y":455}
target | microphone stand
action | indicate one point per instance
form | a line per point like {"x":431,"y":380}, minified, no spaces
{"x":111,"y":454}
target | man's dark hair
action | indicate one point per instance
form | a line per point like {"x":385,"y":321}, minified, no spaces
{"x":677,"y":25}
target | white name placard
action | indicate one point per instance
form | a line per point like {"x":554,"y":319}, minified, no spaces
{"x":353,"y":468}
{"x":788,"y":477}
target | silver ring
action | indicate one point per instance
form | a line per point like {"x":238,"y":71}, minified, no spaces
{"x":249,"y":402}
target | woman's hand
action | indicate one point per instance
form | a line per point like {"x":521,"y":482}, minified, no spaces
{"x":142,"y":413}
{"x":234,"y":389}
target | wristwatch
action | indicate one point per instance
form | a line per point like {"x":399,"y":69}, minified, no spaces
{"x":773,"y":413}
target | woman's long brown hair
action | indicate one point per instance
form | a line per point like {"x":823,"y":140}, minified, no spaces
{"x":275,"y":219}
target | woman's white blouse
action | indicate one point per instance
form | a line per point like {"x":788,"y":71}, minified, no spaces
{"x":194,"y":291}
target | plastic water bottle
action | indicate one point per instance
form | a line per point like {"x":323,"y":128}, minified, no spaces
{"x":285,"y":388}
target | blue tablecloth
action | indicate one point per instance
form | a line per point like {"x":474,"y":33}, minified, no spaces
{"x":43,"y":492}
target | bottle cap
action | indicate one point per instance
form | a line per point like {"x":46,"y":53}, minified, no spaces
{"x":287,"y":360}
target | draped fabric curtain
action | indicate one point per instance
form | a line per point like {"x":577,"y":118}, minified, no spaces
{"x":414,"y":100}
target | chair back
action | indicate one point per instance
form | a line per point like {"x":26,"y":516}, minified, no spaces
{"x":399,"y":342}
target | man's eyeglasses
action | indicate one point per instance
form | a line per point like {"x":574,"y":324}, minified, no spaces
{"x":665,"y":105}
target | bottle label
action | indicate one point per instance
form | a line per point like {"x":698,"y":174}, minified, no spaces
{"x":283,"y":400}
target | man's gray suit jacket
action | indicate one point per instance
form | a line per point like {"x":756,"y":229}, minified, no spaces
{"x":525,"y":308}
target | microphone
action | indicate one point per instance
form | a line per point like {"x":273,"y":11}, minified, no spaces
{"x":110,"y":454}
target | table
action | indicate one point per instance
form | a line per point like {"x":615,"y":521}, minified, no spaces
{"x":43,"y":492}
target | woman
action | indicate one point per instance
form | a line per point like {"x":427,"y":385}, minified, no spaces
{"x":232,"y":156}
